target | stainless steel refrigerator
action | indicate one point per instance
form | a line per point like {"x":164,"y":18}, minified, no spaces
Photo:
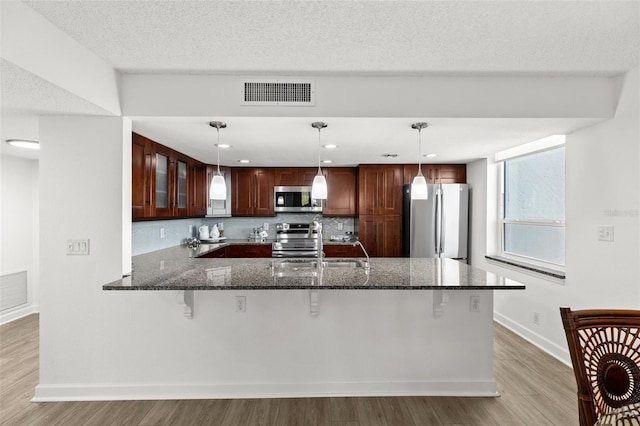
{"x":437,"y":226}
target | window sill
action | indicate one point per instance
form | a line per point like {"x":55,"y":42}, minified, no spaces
{"x":529,"y":267}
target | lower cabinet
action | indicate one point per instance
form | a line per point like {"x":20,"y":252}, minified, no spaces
{"x":340,"y":250}
{"x":381,"y":235}
{"x":249,"y":250}
{"x":216,"y":254}
{"x":240,"y":250}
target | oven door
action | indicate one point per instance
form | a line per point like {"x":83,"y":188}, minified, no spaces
{"x":300,"y":248}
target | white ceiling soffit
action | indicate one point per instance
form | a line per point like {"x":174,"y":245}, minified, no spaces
{"x":547,"y":37}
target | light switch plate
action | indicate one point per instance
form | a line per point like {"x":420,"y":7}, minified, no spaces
{"x":605,"y":233}
{"x":78,"y":247}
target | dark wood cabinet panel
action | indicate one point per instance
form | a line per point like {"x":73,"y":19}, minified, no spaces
{"x":294,"y":176}
{"x":342,"y":197}
{"x":165,"y":183}
{"x":437,"y":173}
{"x":216,"y":254}
{"x":199,"y":189}
{"x":381,"y":235}
{"x":141,"y":188}
{"x":249,"y":250}
{"x":380,"y":189}
{"x":306,"y":175}
{"x":340,"y":250}
{"x":252,"y":192}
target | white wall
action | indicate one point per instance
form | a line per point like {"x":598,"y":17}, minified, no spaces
{"x":602,"y":188}
{"x":19,"y":224}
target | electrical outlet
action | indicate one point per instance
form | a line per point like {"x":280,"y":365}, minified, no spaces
{"x":474,"y":304}
{"x":605,"y":233}
{"x":161,"y":232}
{"x":241,"y":303}
{"x":265,"y":226}
{"x":340,"y":226}
{"x":536,"y":318}
{"x":161,"y":265}
{"x":190,"y":230}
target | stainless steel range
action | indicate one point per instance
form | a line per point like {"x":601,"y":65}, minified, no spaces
{"x":294,"y":240}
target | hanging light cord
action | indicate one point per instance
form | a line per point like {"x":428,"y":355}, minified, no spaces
{"x":419,"y":151}
{"x":319,"y":170}
{"x":218,"y":146}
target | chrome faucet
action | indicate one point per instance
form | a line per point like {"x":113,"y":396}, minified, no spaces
{"x":358,"y":243}
{"x":317,"y":226}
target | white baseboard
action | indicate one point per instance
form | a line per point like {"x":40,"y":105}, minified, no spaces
{"x":558,"y":352}
{"x":17,"y":313}
{"x":109,"y":392}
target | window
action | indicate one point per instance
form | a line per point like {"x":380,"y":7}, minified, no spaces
{"x":532,"y":208}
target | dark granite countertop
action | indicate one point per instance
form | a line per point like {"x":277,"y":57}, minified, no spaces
{"x":179,"y":268}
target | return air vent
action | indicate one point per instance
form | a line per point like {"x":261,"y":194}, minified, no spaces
{"x":278,"y":92}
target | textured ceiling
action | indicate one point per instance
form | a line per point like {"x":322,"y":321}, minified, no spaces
{"x":509,"y":37}
{"x":586,"y":37}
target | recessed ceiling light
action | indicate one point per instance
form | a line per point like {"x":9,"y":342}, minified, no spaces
{"x":223,"y":145}
{"x":244,"y":161}
{"x":330,"y":146}
{"x":24,"y":143}
{"x":327,"y":161}
{"x":430,"y":155}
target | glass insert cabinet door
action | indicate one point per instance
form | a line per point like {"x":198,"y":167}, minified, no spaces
{"x":182,"y":185}
{"x":162,"y":181}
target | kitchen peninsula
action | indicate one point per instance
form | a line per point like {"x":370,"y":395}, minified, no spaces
{"x":400,"y":327}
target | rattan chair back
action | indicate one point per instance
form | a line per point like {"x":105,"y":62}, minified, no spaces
{"x":605,"y":352}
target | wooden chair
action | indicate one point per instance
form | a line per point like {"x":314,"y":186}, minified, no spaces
{"x":605,"y":352}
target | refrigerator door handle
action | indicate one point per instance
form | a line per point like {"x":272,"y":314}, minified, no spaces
{"x":437,"y":222}
{"x":441,"y":217}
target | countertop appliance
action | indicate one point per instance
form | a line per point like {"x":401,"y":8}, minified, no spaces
{"x":294,"y":240}
{"x":437,"y":226}
{"x":295,"y":199}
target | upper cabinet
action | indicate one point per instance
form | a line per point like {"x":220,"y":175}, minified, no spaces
{"x":437,"y":173}
{"x":380,"y":189}
{"x":294,"y":176}
{"x":342,"y":193}
{"x":165,"y":183}
{"x":252,"y":191}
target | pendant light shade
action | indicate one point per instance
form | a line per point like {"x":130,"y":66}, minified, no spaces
{"x":419,"y":189}
{"x":319,"y":186}
{"x":218,"y":189}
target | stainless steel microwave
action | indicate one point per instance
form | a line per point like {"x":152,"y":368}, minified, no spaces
{"x":295,"y":199}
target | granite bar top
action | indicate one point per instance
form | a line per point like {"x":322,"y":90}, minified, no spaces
{"x":179,"y":268}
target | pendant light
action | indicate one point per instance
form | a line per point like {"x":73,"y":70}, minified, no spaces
{"x":319,"y":186}
{"x":419,"y":190}
{"x":218,"y":189}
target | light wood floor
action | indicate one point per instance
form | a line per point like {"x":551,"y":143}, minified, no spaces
{"x":535,"y":389}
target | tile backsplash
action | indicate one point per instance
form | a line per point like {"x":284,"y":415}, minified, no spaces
{"x":146,"y":236}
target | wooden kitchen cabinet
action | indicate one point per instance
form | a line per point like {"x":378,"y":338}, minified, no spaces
{"x":216,"y":254}
{"x":341,"y":250}
{"x":294,"y":176}
{"x":381,"y":235}
{"x":437,"y":173}
{"x":199,"y":189}
{"x":248,"y":250}
{"x":165,"y":183}
{"x":342,"y":193}
{"x":141,"y":187}
{"x":252,"y":191}
{"x":380,"y":189}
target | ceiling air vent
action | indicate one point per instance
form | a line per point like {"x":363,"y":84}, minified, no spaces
{"x":278,"y":92}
